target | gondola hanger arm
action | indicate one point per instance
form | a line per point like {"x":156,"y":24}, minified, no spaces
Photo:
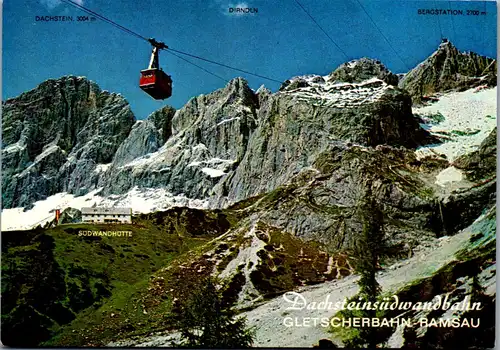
{"x":158,"y":44}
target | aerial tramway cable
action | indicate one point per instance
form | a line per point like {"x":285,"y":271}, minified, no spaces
{"x":223,"y":65}
{"x":126,"y":30}
{"x":107,"y":20}
{"x":329,"y":37}
{"x":172,"y":50}
{"x":452,"y":24}
{"x":439,"y":23}
{"x":381,"y":33}
{"x":194,"y":64}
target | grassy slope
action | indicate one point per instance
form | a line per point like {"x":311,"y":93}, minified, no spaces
{"x":88,"y":289}
{"x":116,"y":287}
{"x":150,"y":305}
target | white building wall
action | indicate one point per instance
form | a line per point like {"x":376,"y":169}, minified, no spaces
{"x":100,"y":218}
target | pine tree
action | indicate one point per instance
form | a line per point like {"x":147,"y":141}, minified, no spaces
{"x":208,"y":321}
{"x":366,"y":254}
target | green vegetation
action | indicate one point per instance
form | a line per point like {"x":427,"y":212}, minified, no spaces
{"x":433,"y":164}
{"x":357,"y":337}
{"x":287,"y":262}
{"x":70,"y":290}
{"x":207,"y":320}
{"x":245,"y":203}
{"x":367,"y":253}
{"x":435,"y":118}
{"x":365,"y":256}
{"x":273,"y":198}
{"x":465,"y":133}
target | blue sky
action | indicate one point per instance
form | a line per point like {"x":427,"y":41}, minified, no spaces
{"x":280,"y":41}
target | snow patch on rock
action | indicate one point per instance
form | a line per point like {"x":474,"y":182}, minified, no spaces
{"x":102,"y":168}
{"x":15,"y":147}
{"x":341,"y":95}
{"x":450,"y":174}
{"x":144,"y":200}
{"x":247,"y":258}
{"x":228,"y":120}
{"x":214,"y":167}
{"x":213,"y":172}
{"x":469,"y":117}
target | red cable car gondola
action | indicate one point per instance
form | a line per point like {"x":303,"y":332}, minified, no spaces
{"x":154,"y":81}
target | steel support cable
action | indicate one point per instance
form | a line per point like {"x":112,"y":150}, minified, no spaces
{"x":485,"y":27}
{"x":439,"y":21}
{"x":452,"y":22}
{"x":107,"y":20}
{"x":381,"y":33}
{"x":223,"y":65}
{"x":194,"y":64}
{"x":321,"y":28}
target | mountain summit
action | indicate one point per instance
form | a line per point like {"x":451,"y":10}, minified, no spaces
{"x":54,"y":136}
{"x":449,"y":69}
{"x":67,"y":135}
{"x":270,"y":192}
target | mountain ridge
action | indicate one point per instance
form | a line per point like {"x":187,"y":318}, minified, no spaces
{"x":448,"y":69}
{"x":222,"y":147}
{"x":280,"y":180}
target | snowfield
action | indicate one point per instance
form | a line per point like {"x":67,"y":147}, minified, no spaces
{"x":464,"y":120}
{"x":469,"y":117}
{"x":140,"y":200}
{"x":339,"y":95}
{"x":450,"y":174}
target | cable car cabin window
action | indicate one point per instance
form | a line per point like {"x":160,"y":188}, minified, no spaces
{"x":156,"y":83}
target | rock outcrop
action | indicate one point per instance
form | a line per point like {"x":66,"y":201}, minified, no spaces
{"x":56,"y":136}
{"x":222,"y":147}
{"x":144,"y":138}
{"x":295,"y":126}
{"x":365,"y":68}
{"x":209,"y":136}
{"x":447,"y":69}
{"x":481,"y":164}
{"x":288,"y":176}
{"x":162,"y":120}
{"x":70,"y":215}
{"x":235,"y":143}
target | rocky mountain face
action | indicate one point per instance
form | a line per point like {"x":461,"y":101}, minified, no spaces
{"x":225,"y":146}
{"x":480,"y":164}
{"x":146,"y":136}
{"x":473,"y":272}
{"x":285,"y":173}
{"x":208,"y":136}
{"x":351,"y":132}
{"x":448,"y":69}
{"x":236,"y":143}
{"x":365,"y":68}
{"x":55,"y":136}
